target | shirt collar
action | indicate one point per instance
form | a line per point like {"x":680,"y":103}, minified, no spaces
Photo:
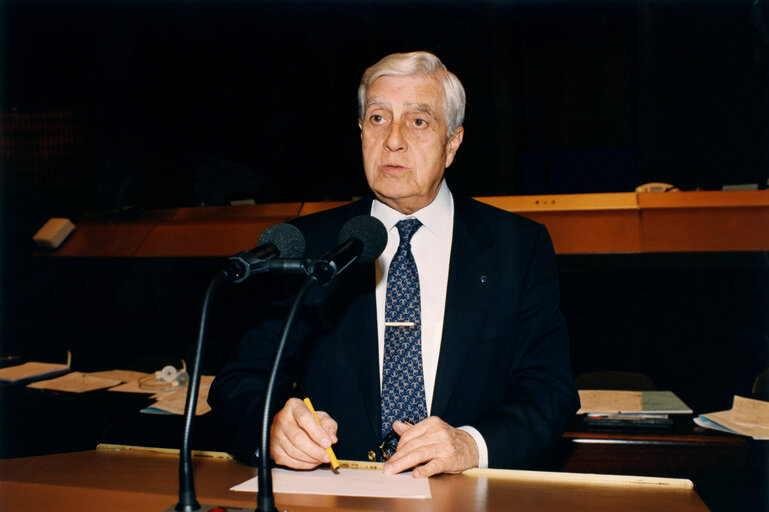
{"x":436,"y":216}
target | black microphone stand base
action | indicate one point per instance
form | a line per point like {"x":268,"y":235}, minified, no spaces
{"x":219,"y":508}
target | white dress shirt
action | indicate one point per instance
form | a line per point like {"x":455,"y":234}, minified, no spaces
{"x":431,"y":247}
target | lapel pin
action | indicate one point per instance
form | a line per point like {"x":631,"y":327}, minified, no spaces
{"x":483,"y":278}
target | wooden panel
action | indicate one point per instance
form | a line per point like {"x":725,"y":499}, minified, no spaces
{"x":583,"y":223}
{"x":699,"y":199}
{"x":706,"y":221}
{"x":277,"y":210}
{"x":204,"y":239}
{"x":105,"y":240}
{"x":103,"y":236}
{"x":565,"y":202}
{"x":308,"y":208}
{"x":592,"y":232}
{"x":578,"y":224}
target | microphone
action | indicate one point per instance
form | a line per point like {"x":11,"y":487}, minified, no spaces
{"x":362,"y":238}
{"x":278,"y":240}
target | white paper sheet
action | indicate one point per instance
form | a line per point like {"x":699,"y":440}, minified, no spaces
{"x":349,"y":482}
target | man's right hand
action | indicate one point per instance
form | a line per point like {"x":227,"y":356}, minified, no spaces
{"x":296,"y":439}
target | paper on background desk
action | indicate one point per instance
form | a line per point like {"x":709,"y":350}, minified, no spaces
{"x":174,"y":402}
{"x":75,"y":382}
{"x":31,"y":370}
{"x":747,"y":417}
{"x":621,"y":402}
{"x":349,"y":482}
{"x":128,"y":378}
{"x":78,"y":382}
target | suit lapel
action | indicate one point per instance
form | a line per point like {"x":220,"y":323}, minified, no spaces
{"x":467,"y":299}
{"x":360,"y":333}
{"x":362,"y":347}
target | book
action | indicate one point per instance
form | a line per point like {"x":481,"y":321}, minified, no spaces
{"x":600,"y":401}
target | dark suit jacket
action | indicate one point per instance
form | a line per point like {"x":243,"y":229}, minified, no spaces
{"x":504,"y":363}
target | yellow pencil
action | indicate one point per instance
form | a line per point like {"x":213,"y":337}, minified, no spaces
{"x":334,"y":462}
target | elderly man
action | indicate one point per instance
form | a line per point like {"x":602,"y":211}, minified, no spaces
{"x":447,"y":353}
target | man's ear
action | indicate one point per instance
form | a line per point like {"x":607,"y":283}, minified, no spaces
{"x":452,"y":145}
{"x":360,"y":127}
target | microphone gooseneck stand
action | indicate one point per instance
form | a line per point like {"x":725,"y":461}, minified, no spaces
{"x":187,"y":500}
{"x":278,"y":239}
{"x":362,"y":238}
{"x":265,"y":500}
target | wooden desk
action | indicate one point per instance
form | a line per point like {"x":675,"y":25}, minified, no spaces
{"x":97,"y":481}
{"x":578,"y":223}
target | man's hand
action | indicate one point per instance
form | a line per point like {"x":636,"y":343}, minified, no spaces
{"x":434,"y":443}
{"x":296,"y":439}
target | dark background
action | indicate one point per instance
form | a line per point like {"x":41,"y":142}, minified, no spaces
{"x":112,"y":104}
{"x":178,"y":103}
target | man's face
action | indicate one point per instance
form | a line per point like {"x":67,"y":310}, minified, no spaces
{"x":405,"y":150}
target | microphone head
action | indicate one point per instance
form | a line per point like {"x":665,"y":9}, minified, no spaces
{"x":287,"y":238}
{"x":370,"y":231}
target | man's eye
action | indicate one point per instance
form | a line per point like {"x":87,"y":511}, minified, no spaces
{"x":376,"y":118}
{"x":420,"y":123}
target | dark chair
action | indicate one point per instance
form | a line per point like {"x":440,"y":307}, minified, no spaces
{"x":761,"y":385}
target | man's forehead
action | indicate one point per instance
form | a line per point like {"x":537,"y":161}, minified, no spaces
{"x":419,"y":92}
{"x":409,"y":105}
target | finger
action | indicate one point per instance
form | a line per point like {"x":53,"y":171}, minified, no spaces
{"x":401,"y":428}
{"x":454,"y":455}
{"x":409,"y":457}
{"x":281,"y":457}
{"x":423,"y":431}
{"x":291,"y":444}
{"x":297,"y":446}
{"x":328,"y":423}
{"x":433,"y":467}
{"x":437,"y":445}
{"x":308,"y":422}
{"x":410,"y":451}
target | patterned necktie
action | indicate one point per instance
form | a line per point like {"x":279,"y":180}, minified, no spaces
{"x":403,"y":384}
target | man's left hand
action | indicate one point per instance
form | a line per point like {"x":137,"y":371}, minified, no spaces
{"x":434,"y":443}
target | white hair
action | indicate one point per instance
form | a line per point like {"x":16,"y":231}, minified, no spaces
{"x":419,"y":63}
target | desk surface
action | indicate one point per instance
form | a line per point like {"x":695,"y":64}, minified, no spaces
{"x":93,"y":481}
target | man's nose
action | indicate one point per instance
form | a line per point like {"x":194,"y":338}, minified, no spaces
{"x":395,"y":140}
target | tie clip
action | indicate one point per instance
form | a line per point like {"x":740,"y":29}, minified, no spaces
{"x":400,"y":324}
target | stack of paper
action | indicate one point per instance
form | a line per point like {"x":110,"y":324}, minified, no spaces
{"x":746,"y":417}
{"x":618,"y":408}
